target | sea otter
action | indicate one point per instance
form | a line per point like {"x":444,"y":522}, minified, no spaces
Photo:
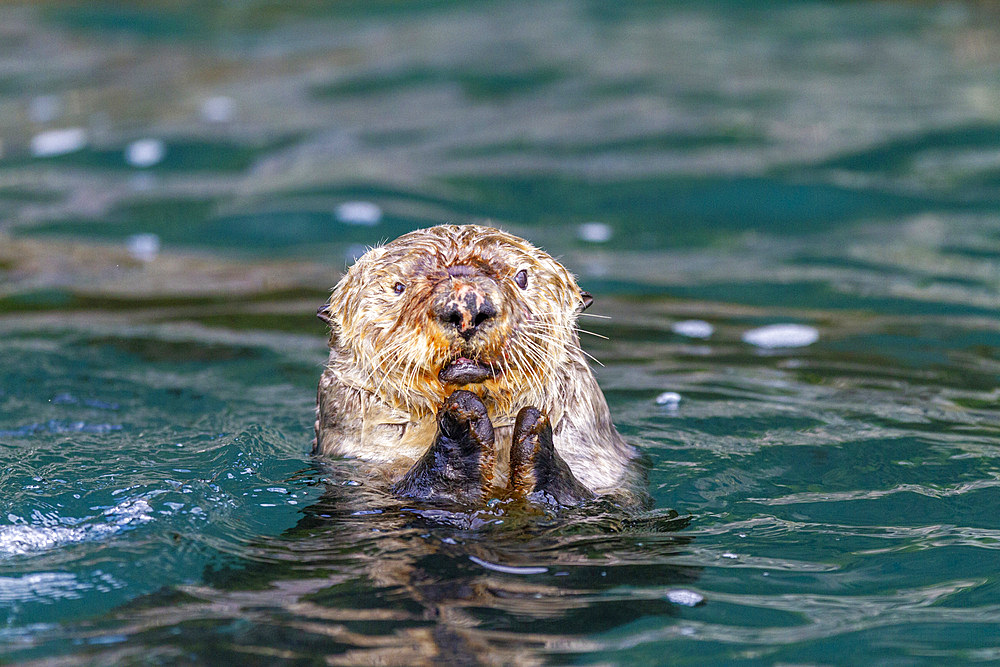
{"x":456,"y":371}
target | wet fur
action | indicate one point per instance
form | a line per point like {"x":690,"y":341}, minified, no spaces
{"x":380,"y":391}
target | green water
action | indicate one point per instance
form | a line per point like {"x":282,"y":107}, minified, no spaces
{"x":833,"y":165}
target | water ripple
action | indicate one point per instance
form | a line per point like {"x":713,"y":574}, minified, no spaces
{"x":874,"y":494}
{"x":49,"y":587}
{"x":827,"y":616}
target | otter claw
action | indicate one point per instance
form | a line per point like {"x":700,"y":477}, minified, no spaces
{"x":537,"y":472}
{"x":459,"y":465}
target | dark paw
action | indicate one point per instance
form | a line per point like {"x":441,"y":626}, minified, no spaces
{"x":463,"y":424}
{"x":459,"y":465}
{"x":537,"y":472}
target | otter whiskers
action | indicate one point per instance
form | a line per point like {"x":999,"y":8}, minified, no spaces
{"x":457,"y":323}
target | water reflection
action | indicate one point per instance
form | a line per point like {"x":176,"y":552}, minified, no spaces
{"x":412,"y":585}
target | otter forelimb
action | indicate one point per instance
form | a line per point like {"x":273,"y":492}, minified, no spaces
{"x":537,"y":472}
{"x":459,"y":465}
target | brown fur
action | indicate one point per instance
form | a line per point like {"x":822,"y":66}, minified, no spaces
{"x":381,"y":388}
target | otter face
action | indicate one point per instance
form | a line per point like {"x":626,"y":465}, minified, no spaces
{"x":456,"y":307}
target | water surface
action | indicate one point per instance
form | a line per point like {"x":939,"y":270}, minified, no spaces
{"x":831,"y":165}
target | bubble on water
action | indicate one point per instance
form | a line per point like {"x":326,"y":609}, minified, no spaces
{"x":129,"y":511}
{"x":693,"y":328}
{"x":218,"y":109}
{"x":145,"y":152}
{"x":594,"y":232}
{"x":684,"y":597}
{"x":669,"y":399}
{"x":782,"y":335}
{"x":359,"y":213}
{"x":58,"y":142}
{"x":143,"y":247}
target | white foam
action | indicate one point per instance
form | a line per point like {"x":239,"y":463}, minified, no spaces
{"x":595,"y":232}
{"x":669,"y":399}
{"x":143,"y":247}
{"x":50,"y":531}
{"x":359,"y":213}
{"x":58,"y":142}
{"x":782,"y":335}
{"x":22,"y":539}
{"x":693,"y":328}
{"x":685,"y":597}
{"x":145,"y":152}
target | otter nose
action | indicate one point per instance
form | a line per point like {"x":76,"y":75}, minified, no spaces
{"x":466,"y":310}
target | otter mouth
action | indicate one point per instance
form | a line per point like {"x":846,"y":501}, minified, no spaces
{"x":465,"y":371}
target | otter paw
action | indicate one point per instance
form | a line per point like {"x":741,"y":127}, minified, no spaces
{"x":537,"y":472}
{"x":459,"y":465}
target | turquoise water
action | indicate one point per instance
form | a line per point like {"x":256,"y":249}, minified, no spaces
{"x":830,"y":165}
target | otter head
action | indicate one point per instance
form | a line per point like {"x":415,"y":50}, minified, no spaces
{"x":455,"y":307}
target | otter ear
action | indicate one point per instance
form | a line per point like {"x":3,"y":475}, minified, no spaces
{"x":586,"y":299}
{"x":323,"y":314}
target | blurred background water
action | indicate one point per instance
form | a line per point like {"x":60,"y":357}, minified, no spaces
{"x":181,"y":183}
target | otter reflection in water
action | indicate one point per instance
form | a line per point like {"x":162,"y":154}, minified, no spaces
{"x":456,"y":372}
{"x":369,"y":579}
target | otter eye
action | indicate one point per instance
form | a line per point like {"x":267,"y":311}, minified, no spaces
{"x":521,"y":279}
{"x":399,"y":288}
